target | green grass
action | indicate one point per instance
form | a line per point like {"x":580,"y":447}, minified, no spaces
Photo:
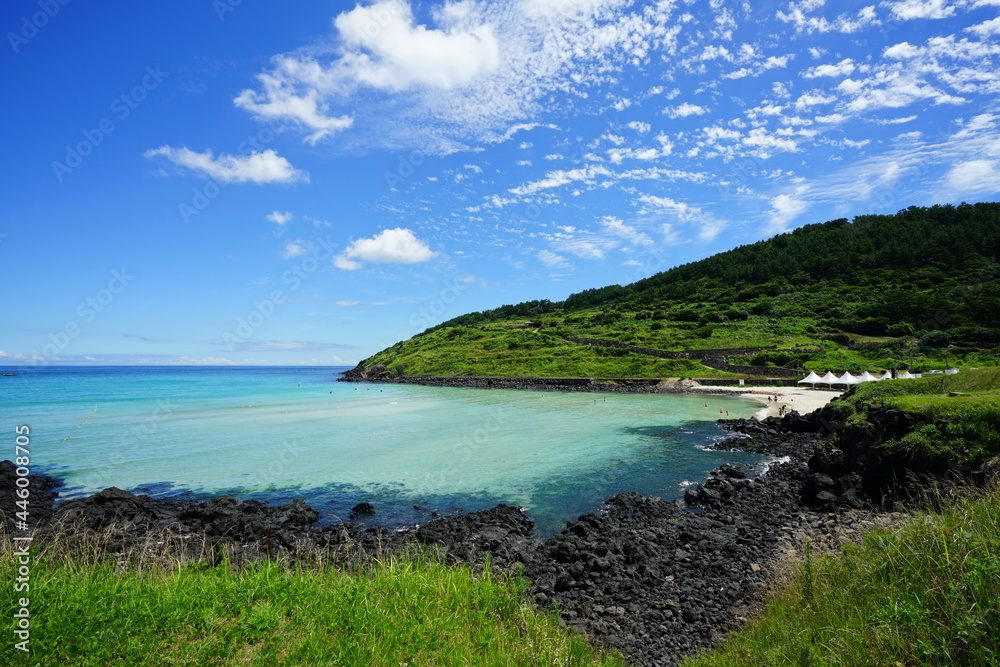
{"x":399,"y":611}
{"x":509,"y":351}
{"x":928,"y":594}
{"x":962,"y":428}
{"x":508,"y":348}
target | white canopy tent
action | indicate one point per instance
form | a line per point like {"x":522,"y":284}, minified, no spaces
{"x":905,"y":375}
{"x":950,"y":371}
{"x":867,"y":377}
{"x":812,"y":379}
{"x":886,"y":375}
{"x":847,"y":379}
{"x":829,"y":378}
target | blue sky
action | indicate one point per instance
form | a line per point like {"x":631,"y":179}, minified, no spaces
{"x":307,"y":183}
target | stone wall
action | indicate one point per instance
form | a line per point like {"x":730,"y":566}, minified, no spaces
{"x":769,"y":371}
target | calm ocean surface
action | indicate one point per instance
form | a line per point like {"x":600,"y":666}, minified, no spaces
{"x":277,"y":433}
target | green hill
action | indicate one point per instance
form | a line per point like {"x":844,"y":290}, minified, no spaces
{"x":918,"y":289}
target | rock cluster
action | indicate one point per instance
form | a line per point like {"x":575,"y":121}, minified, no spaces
{"x":41,"y":496}
{"x":657,"y":578}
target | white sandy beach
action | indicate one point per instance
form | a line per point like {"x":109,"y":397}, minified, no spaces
{"x":800,"y":399}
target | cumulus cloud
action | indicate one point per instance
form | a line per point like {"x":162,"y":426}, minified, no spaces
{"x":279,"y":218}
{"x":385,"y":49}
{"x":922,"y":9}
{"x":986,"y":28}
{"x":685,"y":110}
{"x":843,"y":68}
{"x":470,"y":72}
{"x":799,"y":15}
{"x":390,"y":246}
{"x":258,"y":167}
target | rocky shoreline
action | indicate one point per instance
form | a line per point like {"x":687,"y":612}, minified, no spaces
{"x":657,"y":578}
{"x":631,"y":386}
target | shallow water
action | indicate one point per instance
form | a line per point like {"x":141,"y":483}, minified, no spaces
{"x":277,"y":433}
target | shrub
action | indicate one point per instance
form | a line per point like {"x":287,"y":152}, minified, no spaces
{"x":935,"y":339}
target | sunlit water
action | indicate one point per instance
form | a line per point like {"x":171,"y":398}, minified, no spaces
{"x":278,"y":433}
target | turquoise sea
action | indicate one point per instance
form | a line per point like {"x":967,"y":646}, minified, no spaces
{"x":277,"y":433}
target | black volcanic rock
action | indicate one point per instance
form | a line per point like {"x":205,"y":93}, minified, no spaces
{"x":657,"y":578}
{"x":41,"y":496}
{"x":364,"y":508}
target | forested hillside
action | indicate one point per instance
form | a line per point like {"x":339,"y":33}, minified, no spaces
{"x":877,"y":290}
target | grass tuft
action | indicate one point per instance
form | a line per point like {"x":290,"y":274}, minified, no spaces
{"x":925,"y":594}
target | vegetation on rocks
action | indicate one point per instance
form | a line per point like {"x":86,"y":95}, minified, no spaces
{"x":926,"y":594}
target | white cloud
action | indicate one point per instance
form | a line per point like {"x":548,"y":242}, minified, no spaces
{"x":922,"y":9}
{"x":554,"y":179}
{"x":798,"y":15}
{"x":986,"y":28}
{"x":639,"y":126}
{"x":765,"y":142}
{"x":462,"y":76}
{"x":279,"y":218}
{"x":784,"y":208}
{"x":685,"y":110}
{"x":390,"y":246}
{"x":552,"y":260}
{"x":385,"y":49}
{"x":974,"y":176}
{"x":843,"y":68}
{"x":280,"y":101}
{"x":346,"y":264}
{"x":346,"y":302}
{"x":813,"y":99}
{"x":630,"y":234}
{"x":296,"y":248}
{"x":709,"y":226}
{"x":258,"y":167}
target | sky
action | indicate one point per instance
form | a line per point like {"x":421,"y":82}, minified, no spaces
{"x":229,"y":182}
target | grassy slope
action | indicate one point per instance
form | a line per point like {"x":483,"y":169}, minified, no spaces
{"x":401,"y":611}
{"x":863,"y":293}
{"x":963,"y":428}
{"x":924,"y":595}
{"x":928,"y":594}
{"x":507,"y":348}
